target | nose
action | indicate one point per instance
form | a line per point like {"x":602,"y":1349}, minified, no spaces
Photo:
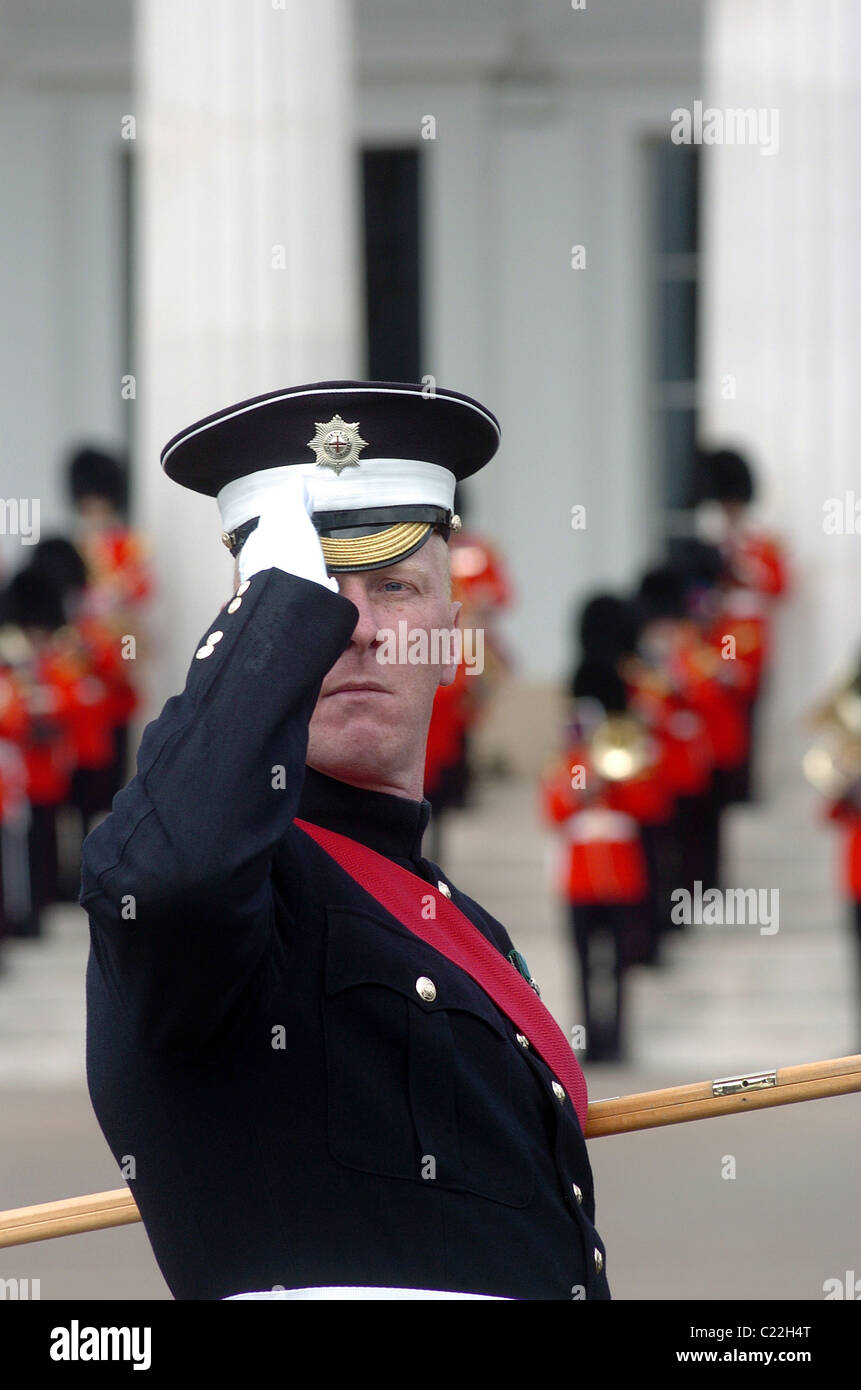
{"x":364,"y":636}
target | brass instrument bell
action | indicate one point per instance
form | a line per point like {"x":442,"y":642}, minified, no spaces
{"x":832,"y":763}
{"x":619,"y":748}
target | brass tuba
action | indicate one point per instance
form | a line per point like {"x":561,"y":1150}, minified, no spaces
{"x":832,"y":763}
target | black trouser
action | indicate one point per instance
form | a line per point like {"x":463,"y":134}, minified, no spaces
{"x":740,"y":783}
{"x":16,"y":909}
{"x":90,"y":796}
{"x":92,"y":792}
{"x":44,"y":868}
{"x":663,"y":865}
{"x":696,"y":829}
{"x":607,"y":927}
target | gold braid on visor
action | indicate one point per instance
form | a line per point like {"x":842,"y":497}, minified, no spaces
{"x":389,"y":544}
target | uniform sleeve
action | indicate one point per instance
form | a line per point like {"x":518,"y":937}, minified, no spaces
{"x":176,"y":880}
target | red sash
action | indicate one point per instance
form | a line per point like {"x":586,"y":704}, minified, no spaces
{"x":454,"y":936}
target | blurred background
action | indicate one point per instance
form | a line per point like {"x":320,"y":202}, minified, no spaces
{"x":629,"y":230}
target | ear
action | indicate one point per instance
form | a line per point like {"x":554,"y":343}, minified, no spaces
{"x":448,"y":671}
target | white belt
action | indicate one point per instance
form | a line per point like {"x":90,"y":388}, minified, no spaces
{"x":350,"y":1291}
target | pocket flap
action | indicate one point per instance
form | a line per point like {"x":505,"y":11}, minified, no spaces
{"x":365,"y":949}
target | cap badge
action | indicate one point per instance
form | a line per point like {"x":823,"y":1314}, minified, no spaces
{"x":337,"y":444}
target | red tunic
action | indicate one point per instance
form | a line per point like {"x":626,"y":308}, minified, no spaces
{"x":687,"y":755}
{"x":849,"y":814}
{"x":649,"y":797}
{"x":48,"y":746}
{"x":104,"y":654}
{"x":602,"y":859}
{"x":13,"y":729}
{"x":699,"y":676}
{"x":477,"y":572}
{"x":87,"y":701}
{"x":118,"y":567}
{"x":742,"y":618}
{"x":757,"y":562}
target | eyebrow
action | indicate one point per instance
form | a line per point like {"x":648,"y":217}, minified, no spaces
{"x":408,"y":568}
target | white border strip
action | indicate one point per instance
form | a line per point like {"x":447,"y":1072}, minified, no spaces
{"x":374,"y":483}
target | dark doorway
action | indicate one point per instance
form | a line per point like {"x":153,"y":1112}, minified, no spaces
{"x":390,"y":182}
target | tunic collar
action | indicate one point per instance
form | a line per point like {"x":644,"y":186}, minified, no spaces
{"x":391,"y":825}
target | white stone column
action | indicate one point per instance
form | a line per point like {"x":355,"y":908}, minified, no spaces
{"x":782,"y":308}
{"x":246,"y":251}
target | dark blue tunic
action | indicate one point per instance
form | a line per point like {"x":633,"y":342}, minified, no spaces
{"x":293,"y":1112}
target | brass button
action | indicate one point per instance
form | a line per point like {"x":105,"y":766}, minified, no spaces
{"x":243,"y":588}
{"x":425,"y":988}
{"x":577,"y":1193}
{"x":444,"y":889}
{"x":226,"y":539}
{"x":234,"y":604}
{"x":204,"y":651}
{"x":558,"y":1091}
{"x":214,"y":637}
{"x":599,"y":1260}
{"x":522,"y":1039}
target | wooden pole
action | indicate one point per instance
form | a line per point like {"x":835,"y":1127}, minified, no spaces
{"x":619,"y":1115}
{"x":68,"y":1217}
{"x":729,"y":1095}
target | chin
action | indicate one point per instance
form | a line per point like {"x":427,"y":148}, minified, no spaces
{"x":352,"y":760}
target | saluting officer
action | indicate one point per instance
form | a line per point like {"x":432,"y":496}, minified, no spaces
{"x":307,"y":1048}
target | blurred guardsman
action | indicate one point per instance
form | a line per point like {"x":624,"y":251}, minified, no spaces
{"x":846,"y":810}
{"x":676,"y":664}
{"x":446,"y":765}
{"x":88,"y":662}
{"x":604,"y":869}
{"x":731,"y":655}
{"x":479,"y":583}
{"x":94,"y":647}
{"x":607,"y":631}
{"x":34,"y":663}
{"x":116,"y":557}
{"x":119,"y":581}
{"x":726,"y":488}
{"x":329,"y":1065}
{"x":756,"y":574}
{"x":15,"y":900}
{"x":832,"y":764}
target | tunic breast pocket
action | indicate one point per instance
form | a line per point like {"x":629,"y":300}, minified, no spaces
{"x":422,"y":1076}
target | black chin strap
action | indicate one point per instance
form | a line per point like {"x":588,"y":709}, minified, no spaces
{"x":234,"y":540}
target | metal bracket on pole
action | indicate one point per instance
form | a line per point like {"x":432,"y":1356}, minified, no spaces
{"x":751,"y":1081}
